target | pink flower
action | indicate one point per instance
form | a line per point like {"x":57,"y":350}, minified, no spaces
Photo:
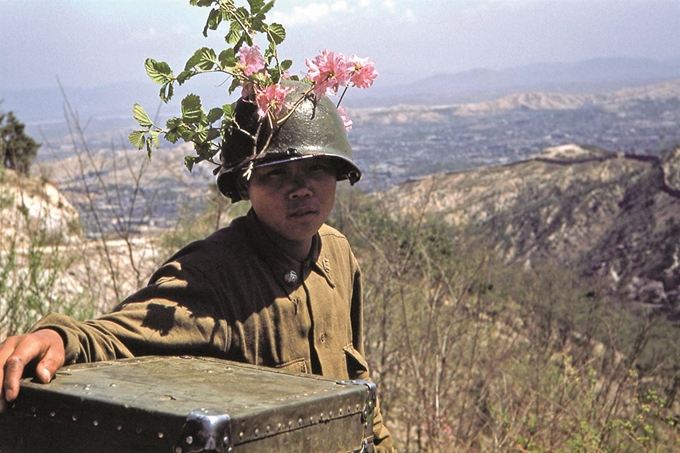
{"x":362,"y":72}
{"x":250,"y":60}
{"x":345,"y":119}
{"x":328,"y":71}
{"x":271,"y":99}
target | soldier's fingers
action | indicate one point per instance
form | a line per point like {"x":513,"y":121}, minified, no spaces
{"x":15,"y":358}
{"x":6,"y":349}
{"x":14,"y":369}
{"x":33,"y":347}
{"x":52,"y":359}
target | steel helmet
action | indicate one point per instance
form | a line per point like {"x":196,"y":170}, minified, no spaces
{"x":315,"y":129}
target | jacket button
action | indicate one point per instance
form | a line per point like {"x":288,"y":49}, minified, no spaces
{"x":322,"y":337}
{"x":290,"y":277}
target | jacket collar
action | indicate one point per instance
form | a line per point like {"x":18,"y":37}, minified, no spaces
{"x":289,"y":271}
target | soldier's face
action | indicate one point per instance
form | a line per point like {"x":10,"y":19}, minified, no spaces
{"x":293,"y":199}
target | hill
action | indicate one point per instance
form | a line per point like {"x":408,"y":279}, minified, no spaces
{"x":610,"y":215}
{"x":31,"y":207}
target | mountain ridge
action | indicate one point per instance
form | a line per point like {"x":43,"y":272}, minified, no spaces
{"x":476,"y":85}
{"x":589,"y":76}
{"x":538,"y":100}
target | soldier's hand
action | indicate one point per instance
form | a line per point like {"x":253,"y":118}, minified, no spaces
{"x":43,"y":349}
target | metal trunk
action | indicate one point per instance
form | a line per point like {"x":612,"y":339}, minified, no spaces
{"x":188,"y":404}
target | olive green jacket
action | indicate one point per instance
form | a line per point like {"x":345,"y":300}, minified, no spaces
{"x":233,"y":295}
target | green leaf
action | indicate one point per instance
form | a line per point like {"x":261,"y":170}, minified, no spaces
{"x":192,"y":111}
{"x":286,"y":64}
{"x":228,"y":110}
{"x":201,"y":136}
{"x":243,"y":15}
{"x":173,"y":123}
{"x":172,"y":136}
{"x":260,"y":16}
{"x":258,"y":19}
{"x":204,"y":58}
{"x":214,"y":19}
{"x":214,"y":114}
{"x":148,"y":147}
{"x":189,"y":162}
{"x":235,"y":34}
{"x":140,"y":115}
{"x":266,"y":8}
{"x":203,"y":150}
{"x":277,"y":33}
{"x":207,"y":59}
{"x":154,"y":135}
{"x":186,"y":133}
{"x":192,"y":61}
{"x":213,"y":133}
{"x":166,"y":92}
{"x":275,"y":75}
{"x":178,"y":129}
{"x":227,"y":59}
{"x":234,"y":84}
{"x":159,"y":71}
{"x":243,"y":20}
{"x":137,"y":139}
{"x":255,"y":6}
{"x":270,"y":52}
{"x":184,"y":76}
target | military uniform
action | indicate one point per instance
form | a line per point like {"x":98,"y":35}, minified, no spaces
{"x":234,"y":296}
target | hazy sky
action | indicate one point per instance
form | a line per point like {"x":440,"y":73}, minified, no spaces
{"x":98,"y":42}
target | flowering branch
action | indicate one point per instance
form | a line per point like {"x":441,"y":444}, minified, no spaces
{"x":258,"y":75}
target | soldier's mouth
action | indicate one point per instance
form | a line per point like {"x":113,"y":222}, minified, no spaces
{"x":302,"y":213}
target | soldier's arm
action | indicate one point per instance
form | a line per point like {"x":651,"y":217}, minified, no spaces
{"x":177,"y":313}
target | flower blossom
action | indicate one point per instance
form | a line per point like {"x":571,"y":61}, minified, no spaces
{"x":271,"y":99}
{"x":345,"y":119}
{"x":250,"y":60}
{"x":328,"y":71}
{"x":362,"y":72}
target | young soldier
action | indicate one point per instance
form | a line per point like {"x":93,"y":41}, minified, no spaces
{"x":276,"y":288}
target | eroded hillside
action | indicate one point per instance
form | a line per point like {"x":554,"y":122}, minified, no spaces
{"x":611,"y":215}
{"x":31,"y":206}
{"x":47,"y":262}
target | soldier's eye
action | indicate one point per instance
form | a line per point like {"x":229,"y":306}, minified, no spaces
{"x":276,"y":172}
{"x":320,"y":167}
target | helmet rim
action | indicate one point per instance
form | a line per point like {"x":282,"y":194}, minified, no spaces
{"x":227,"y":179}
{"x":315,"y":129}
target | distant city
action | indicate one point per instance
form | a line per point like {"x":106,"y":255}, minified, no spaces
{"x":392,"y":152}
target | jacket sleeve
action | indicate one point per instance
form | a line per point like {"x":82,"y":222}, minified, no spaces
{"x":177,"y":313}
